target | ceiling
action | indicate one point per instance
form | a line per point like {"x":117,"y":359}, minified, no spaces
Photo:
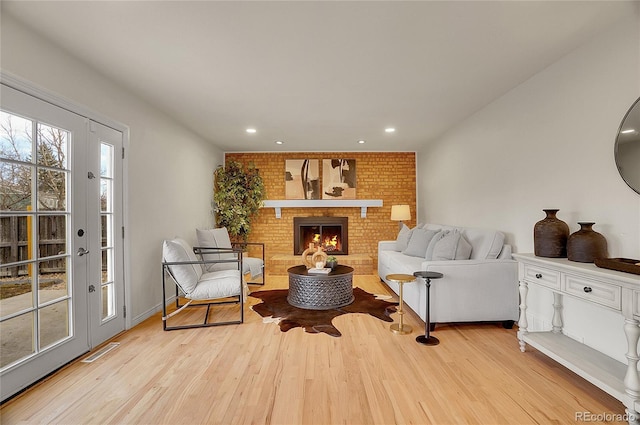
{"x":318,"y":76}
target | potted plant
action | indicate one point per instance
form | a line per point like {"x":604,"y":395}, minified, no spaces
{"x":331,"y":262}
{"x":237,"y":194}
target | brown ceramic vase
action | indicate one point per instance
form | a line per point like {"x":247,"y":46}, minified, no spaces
{"x":550,"y":236}
{"x":586,"y":244}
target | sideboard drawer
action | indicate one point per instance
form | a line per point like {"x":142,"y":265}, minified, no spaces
{"x":598,"y":292}
{"x":542,"y":276}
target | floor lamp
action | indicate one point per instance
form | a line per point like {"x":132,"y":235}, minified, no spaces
{"x":400,"y":213}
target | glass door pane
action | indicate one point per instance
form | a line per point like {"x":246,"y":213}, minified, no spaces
{"x":34,"y":295}
{"x":106,"y":220}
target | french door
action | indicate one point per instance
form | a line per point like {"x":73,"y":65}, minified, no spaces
{"x":104,"y":215}
{"x":61,"y":272}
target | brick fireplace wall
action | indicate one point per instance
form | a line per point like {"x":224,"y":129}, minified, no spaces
{"x":390,"y":176}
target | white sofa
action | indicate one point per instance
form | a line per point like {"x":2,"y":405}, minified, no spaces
{"x":481,"y":288}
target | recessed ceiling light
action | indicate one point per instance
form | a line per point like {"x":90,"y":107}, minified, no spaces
{"x":251,"y":130}
{"x":362,"y":142}
{"x":279,"y":142}
{"x":631,"y":130}
{"x":389,"y":130}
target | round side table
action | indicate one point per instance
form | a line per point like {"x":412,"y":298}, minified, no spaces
{"x":427,"y":339}
{"x":401,"y":279}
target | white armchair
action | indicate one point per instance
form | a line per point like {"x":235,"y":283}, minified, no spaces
{"x":179,"y":261}
{"x":219,"y":238}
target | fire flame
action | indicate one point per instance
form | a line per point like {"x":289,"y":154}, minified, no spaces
{"x":330,"y":243}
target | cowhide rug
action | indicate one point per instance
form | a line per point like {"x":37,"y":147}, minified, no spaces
{"x":274,"y":304}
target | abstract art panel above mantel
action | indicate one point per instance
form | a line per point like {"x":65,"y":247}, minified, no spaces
{"x":338,"y":179}
{"x":302,"y":179}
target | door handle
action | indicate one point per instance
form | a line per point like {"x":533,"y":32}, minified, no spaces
{"x":82,"y":251}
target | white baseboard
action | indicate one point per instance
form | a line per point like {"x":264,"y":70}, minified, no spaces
{"x":147,"y":314}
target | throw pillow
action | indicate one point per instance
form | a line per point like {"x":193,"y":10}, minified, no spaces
{"x":452,"y":247}
{"x":403,"y":238}
{"x":419,"y":242}
{"x":432,"y":243}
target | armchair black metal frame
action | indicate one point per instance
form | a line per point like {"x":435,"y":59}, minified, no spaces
{"x":239,"y":299}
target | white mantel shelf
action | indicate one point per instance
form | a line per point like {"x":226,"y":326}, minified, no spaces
{"x":363,"y":204}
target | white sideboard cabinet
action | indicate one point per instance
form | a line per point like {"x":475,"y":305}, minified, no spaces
{"x":616,"y":291}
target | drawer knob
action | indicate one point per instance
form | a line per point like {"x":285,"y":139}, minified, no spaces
{"x":538,"y":276}
{"x":587,"y":289}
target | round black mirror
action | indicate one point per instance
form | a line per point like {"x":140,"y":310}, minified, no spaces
{"x":627,"y":149}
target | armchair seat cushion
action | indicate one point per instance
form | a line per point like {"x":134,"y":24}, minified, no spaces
{"x":252,"y":265}
{"x":220,"y":284}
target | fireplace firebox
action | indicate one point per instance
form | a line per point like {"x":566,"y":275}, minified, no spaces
{"x":330,"y":233}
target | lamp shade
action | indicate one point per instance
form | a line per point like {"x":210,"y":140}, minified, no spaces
{"x":400,"y":212}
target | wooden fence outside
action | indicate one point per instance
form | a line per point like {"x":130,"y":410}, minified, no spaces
{"x":14,"y":243}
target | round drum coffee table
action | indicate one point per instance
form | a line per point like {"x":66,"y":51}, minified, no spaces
{"x":320,"y":291}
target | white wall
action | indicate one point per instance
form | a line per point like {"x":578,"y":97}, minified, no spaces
{"x":547,"y":143}
{"x":170,"y":169}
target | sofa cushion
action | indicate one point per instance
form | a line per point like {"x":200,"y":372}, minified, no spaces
{"x":403,"y":237}
{"x":432,"y":243}
{"x":397,"y":262}
{"x":486,"y":243}
{"x":452,"y":246}
{"x":419,"y":242}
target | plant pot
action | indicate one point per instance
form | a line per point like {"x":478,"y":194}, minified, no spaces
{"x":331,"y":264}
{"x":586,"y":244}
{"x":550,"y":236}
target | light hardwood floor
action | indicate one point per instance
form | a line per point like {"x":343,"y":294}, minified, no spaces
{"x":253,"y":373}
